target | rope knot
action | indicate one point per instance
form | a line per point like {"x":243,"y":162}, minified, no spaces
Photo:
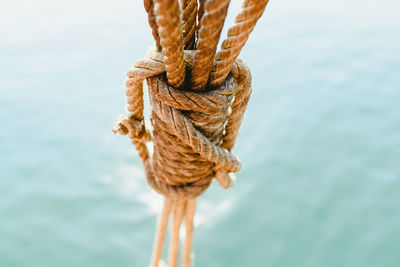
{"x":188,"y":129}
{"x":193,"y":130}
{"x":132,"y":127}
{"x":198,"y":98}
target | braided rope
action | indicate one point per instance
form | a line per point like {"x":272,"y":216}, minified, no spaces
{"x":189,"y":13}
{"x":238,"y":34}
{"x":200,"y":13}
{"x":195,"y":123}
{"x":149,"y":7}
{"x":212,"y":22}
{"x":170,"y":30}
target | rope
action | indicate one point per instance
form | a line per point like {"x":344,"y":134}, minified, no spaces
{"x":149,"y":7}
{"x":189,"y":13}
{"x":211,"y":26}
{"x":187,"y":170}
{"x":190,"y":211}
{"x":195,"y":121}
{"x":238,"y":34}
{"x":161,"y":232}
{"x":200,"y":14}
{"x":177,"y":217}
{"x":170,"y":30}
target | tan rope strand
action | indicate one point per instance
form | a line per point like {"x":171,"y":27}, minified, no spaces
{"x":149,"y":7}
{"x":170,"y":31}
{"x":211,"y":23}
{"x":161,"y":232}
{"x":195,"y":123}
{"x":178,"y":212}
{"x":189,"y":13}
{"x":239,"y":105}
{"x":200,"y":14}
{"x":189,"y":218}
{"x":238,"y":34}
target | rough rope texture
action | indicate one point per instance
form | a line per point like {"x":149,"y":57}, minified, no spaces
{"x":238,"y":34}
{"x":200,"y":14}
{"x":149,"y":6}
{"x":170,"y":31}
{"x":189,"y":13}
{"x":195,"y":117}
{"x":188,"y":128}
{"x":208,"y":37}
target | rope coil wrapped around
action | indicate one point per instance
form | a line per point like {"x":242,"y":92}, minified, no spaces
{"x":198,"y":98}
{"x":193,"y":131}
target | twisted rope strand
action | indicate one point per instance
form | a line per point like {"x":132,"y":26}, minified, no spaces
{"x":170,"y":31}
{"x":238,"y":34}
{"x":149,"y":7}
{"x":200,"y":14}
{"x":211,"y":23}
{"x":239,"y":104}
{"x":189,"y":13}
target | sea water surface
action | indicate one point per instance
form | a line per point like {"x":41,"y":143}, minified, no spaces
{"x":320,"y":142}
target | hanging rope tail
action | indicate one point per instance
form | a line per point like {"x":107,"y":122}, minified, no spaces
{"x":198,"y":98}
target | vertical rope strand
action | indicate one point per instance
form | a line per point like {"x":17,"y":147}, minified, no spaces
{"x":238,"y":34}
{"x":168,"y":19}
{"x":189,"y":218}
{"x":161,"y":232}
{"x":189,"y":14}
{"x":179,"y":209}
{"x":200,"y":13}
{"x":149,"y":7}
{"x":211,"y":23}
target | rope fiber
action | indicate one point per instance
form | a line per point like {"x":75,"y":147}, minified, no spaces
{"x":198,"y":98}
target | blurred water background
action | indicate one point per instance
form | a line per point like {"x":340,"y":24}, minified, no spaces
{"x":320,"y":143}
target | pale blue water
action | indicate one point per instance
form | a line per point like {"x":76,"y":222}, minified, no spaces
{"x":320,"y":143}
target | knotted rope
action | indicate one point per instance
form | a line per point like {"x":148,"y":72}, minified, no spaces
{"x":198,"y":99}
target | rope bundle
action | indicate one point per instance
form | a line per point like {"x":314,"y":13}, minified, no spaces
{"x":198,"y":98}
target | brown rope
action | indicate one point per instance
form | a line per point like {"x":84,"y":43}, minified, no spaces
{"x":189,"y":131}
{"x":149,"y":7}
{"x":200,"y":13}
{"x":161,"y":232}
{"x":170,"y":30}
{"x":185,"y":209}
{"x":177,"y":217}
{"x":194,"y":130}
{"x":189,"y":216}
{"x":189,"y":13}
{"x":209,"y":32}
{"x":238,"y":34}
